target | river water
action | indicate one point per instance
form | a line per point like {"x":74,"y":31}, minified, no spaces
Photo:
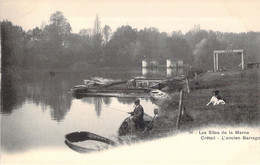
{"x":38,"y":108}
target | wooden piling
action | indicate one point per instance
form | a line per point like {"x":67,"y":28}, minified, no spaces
{"x":179,"y":111}
{"x":196,"y":78}
{"x":187,"y":85}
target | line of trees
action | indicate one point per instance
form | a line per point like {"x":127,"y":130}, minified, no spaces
{"x":54,"y":46}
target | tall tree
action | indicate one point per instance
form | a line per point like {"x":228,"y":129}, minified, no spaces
{"x":59,"y":28}
{"x":61,"y":22}
{"x":148,"y":43}
{"x":85,"y":32}
{"x":97,"y":26}
{"x":14,"y":41}
{"x":120,"y":47}
{"x":106,"y":33}
{"x":178,"y":48}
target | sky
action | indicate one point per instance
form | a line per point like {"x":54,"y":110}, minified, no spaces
{"x":166,"y":15}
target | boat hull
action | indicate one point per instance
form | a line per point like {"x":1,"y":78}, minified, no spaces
{"x":159,"y":97}
{"x":125,"y":128}
{"x":72,"y":138}
{"x":109,"y":91}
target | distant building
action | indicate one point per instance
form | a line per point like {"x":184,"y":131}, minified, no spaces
{"x":174,"y":63}
{"x":150,"y":63}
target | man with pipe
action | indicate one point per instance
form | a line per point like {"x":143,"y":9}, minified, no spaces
{"x":137,"y":120}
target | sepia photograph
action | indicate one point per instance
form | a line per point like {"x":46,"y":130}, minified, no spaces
{"x":130,"y":82}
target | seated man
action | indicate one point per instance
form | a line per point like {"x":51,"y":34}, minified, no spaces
{"x":216,"y":99}
{"x":137,"y":117}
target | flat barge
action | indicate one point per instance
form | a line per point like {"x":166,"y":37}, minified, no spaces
{"x":138,"y":86}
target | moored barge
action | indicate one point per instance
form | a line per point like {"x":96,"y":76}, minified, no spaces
{"x":138,"y":86}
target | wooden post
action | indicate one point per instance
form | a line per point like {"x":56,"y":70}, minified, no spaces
{"x":214,"y":62}
{"x":179,"y":111}
{"x":187,"y":84}
{"x":217,"y":62}
{"x":196,"y":78}
{"x":242,"y":57}
{"x":177,"y":68}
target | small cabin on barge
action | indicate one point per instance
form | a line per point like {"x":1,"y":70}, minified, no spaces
{"x":147,"y":82}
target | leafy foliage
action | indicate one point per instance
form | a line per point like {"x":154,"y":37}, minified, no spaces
{"x":54,"y":46}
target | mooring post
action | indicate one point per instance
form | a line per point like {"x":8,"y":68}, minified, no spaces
{"x":187,"y":85}
{"x":196,"y":78}
{"x":217,"y":62}
{"x":177,"y":68}
{"x":242,"y":59}
{"x":214,"y":62}
{"x":179,"y":111}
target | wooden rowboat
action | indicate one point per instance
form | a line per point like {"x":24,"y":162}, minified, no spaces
{"x":159,"y":97}
{"x":72,"y":138}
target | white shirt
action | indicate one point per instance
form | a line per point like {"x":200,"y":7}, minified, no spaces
{"x":215,"y":101}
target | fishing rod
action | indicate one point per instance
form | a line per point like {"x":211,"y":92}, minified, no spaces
{"x":116,"y":109}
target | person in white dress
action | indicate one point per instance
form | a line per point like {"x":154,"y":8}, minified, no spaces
{"x":216,"y":99}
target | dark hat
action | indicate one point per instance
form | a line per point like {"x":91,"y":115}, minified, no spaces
{"x":137,"y":101}
{"x":216,"y":92}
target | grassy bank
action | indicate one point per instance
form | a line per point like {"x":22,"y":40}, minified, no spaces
{"x":240,"y":89}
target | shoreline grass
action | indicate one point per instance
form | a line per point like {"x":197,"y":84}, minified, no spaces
{"x":239,"y":88}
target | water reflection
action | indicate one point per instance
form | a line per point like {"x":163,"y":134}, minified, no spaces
{"x":171,"y":72}
{"x":10,"y":92}
{"x":148,"y":72}
{"x":38,"y":89}
{"x":126,"y":100}
{"x":33,"y":101}
{"x":162,"y":72}
{"x":41,"y":89}
{"x":154,"y":72}
{"x":101,"y":103}
{"x":98,"y":102}
{"x":52,"y":92}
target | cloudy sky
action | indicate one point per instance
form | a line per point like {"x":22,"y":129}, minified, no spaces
{"x":166,"y":15}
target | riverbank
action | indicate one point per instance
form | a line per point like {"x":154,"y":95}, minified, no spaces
{"x":240,"y":89}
